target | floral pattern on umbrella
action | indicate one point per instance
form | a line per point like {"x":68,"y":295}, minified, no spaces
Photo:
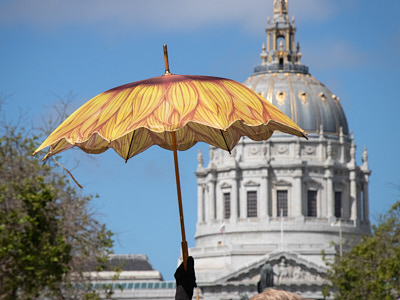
{"x":132,"y":117}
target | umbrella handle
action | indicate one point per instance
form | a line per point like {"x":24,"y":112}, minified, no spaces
{"x":178,"y":188}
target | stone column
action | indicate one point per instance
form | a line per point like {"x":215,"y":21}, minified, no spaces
{"x":200,"y":203}
{"x":321,"y":148}
{"x":211,"y":205}
{"x":243,"y":202}
{"x":366,"y":173}
{"x":296,"y":201}
{"x":264,"y":195}
{"x":219,"y":203}
{"x":341,"y":145}
{"x":366,"y":199}
{"x":234,"y":199}
{"x":274,"y":41}
{"x":268,"y":41}
{"x":329,"y":194}
{"x":353,"y":197}
{"x":274,"y":202}
{"x":287,"y":41}
{"x":353,"y":185}
{"x":293,"y":46}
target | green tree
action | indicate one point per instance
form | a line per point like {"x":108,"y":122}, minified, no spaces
{"x":371,"y":270}
{"x":49,"y":236}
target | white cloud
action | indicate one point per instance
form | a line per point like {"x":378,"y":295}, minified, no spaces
{"x":160,"y":15}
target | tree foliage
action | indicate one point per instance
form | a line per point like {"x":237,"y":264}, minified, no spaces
{"x":371,"y":270}
{"x":49,"y":236}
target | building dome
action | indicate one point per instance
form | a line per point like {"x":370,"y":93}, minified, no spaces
{"x":303,"y":98}
{"x":283,"y":80}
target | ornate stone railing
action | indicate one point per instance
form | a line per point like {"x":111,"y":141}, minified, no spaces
{"x":276,"y":68}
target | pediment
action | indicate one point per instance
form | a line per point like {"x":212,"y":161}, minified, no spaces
{"x":340,"y":183}
{"x":309,"y":182}
{"x":288,"y":268}
{"x":225,"y":185}
{"x":251,"y":183}
{"x":282,"y":183}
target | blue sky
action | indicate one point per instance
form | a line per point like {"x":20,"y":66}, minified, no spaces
{"x":76,"y":49}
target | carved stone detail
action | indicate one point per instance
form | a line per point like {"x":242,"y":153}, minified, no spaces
{"x":322,"y":96}
{"x":281,"y":149}
{"x":309,"y":150}
{"x":303,"y":96}
{"x":251,"y":183}
{"x":225,"y":185}
{"x":254,"y":150}
{"x":280,"y":97}
{"x":285,"y":273}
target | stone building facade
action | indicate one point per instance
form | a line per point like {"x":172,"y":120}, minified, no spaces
{"x":285,"y":200}
{"x":281,"y":202}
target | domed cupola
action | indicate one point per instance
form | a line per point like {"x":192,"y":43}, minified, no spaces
{"x":284,"y":81}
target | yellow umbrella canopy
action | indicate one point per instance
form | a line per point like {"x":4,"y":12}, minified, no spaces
{"x":174,"y":112}
{"x":135,"y":116}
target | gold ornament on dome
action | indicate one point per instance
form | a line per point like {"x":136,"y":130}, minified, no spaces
{"x":322,"y":96}
{"x":303,"y":96}
{"x":336,"y":98}
{"x":280,"y":97}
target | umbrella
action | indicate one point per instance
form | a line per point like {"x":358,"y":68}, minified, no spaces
{"x":174,"y":112}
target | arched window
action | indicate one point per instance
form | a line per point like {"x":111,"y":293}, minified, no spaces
{"x":280,"y":42}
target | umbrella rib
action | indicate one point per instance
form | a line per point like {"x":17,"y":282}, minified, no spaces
{"x":130,"y":146}
{"x":226,"y":144}
{"x":50,"y":150}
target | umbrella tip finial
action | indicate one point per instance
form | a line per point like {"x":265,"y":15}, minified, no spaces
{"x":166,"y":60}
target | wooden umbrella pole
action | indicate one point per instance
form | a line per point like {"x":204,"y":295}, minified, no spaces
{"x":178,"y":188}
{"x":178,"y":184}
{"x":166,"y":60}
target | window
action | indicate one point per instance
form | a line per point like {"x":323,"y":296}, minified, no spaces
{"x":171,"y":285}
{"x":280,"y":63}
{"x":312,"y":203}
{"x":252,"y":204}
{"x":280,"y":41}
{"x":227,"y":205}
{"x":338,"y":204}
{"x":282,"y":201}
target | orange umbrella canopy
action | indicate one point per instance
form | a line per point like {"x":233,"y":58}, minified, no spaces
{"x":132,"y":117}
